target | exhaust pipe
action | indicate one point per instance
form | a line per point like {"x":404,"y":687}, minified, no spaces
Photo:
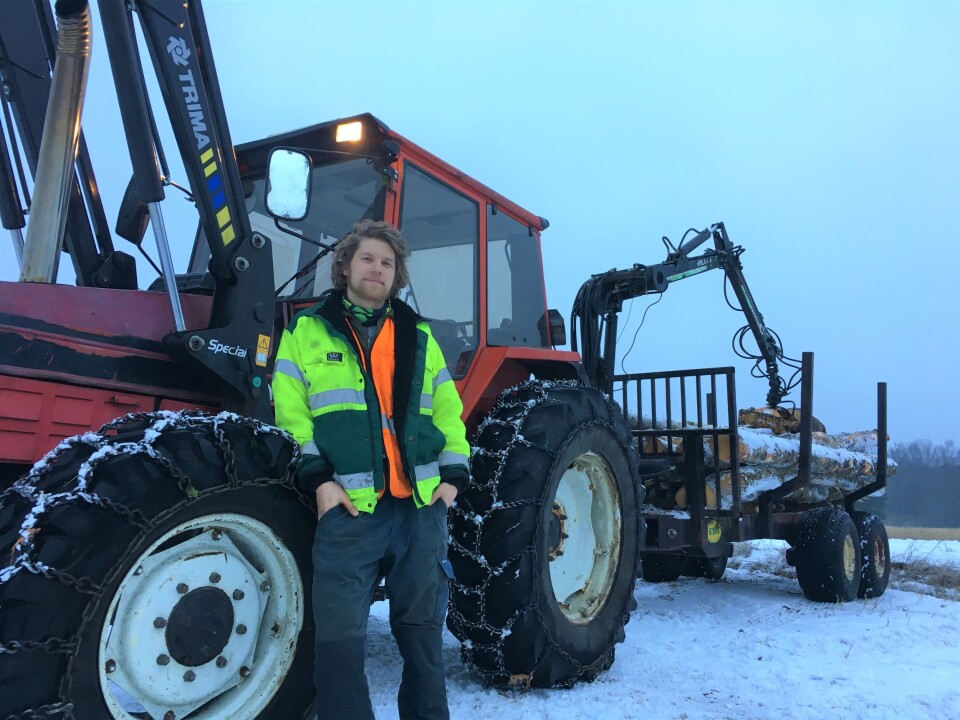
{"x":58,"y":146}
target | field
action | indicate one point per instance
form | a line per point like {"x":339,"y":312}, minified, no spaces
{"x":922,"y":533}
{"x":749,"y":647}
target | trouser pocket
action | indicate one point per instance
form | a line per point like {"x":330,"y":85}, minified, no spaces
{"x":443,"y":589}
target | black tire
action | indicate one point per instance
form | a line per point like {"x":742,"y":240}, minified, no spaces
{"x":875,"y":555}
{"x":119,"y":499}
{"x":658,"y":568}
{"x":827,"y":555}
{"x":709,"y":568}
{"x":508,"y":531}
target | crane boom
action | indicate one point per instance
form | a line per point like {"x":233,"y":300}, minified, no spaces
{"x":600,"y":300}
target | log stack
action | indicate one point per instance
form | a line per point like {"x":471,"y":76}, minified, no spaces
{"x":839,"y":463}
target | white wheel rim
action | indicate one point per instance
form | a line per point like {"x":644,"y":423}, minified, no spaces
{"x":849,"y":558}
{"x":256,"y":575}
{"x":585,"y":554}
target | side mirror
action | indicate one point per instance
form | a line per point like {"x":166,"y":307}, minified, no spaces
{"x":288,"y":184}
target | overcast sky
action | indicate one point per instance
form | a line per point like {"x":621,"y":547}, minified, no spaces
{"x":826,"y":135}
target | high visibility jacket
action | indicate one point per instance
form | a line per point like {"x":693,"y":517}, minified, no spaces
{"x":325,"y":397}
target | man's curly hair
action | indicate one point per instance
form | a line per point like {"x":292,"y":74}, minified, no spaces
{"x":377,"y":230}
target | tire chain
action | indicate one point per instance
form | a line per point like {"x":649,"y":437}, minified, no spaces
{"x":23,"y":549}
{"x":523,"y":409}
{"x":53,"y":646}
{"x":44,"y":711}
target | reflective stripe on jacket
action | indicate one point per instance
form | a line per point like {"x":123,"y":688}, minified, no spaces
{"x":326,"y":399}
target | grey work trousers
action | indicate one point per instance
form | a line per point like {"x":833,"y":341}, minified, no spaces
{"x":409,"y":546}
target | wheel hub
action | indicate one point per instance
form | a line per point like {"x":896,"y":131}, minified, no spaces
{"x":195,"y":626}
{"x":556,"y":532}
{"x":199,"y":626}
{"x":583,"y":538}
{"x":849,"y":558}
{"x":879,"y":557}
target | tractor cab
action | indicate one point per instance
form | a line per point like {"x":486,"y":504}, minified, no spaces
{"x":475,"y":264}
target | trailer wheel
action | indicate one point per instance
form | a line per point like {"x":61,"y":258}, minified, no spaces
{"x":875,"y":555}
{"x":544,"y":544}
{"x":710,"y":568}
{"x":827,"y":555}
{"x":658,"y":568}
{"x":160,"y":567}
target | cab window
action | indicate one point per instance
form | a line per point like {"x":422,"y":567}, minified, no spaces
{"x":441,"y":226}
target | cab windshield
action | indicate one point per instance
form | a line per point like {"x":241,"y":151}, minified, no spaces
{"x":343,"y":193}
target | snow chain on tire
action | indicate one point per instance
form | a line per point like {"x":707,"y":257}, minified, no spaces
{"x":71,"y":529}
{"x":506,"y":530}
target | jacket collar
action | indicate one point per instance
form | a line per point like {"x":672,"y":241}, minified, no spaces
{"x":405,"y":318}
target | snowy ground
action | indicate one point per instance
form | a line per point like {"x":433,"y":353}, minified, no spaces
{"x":747,"y":647}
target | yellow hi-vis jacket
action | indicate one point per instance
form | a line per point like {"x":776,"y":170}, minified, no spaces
{"x":325,"y":397}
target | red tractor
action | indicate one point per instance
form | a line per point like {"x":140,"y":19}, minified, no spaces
{"x":156,"y":553}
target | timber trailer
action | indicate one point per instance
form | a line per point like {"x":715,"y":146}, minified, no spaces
{"x":155,"y":550}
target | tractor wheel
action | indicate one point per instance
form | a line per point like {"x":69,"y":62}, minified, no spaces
{"x":828,"y":555}
{"x":875,"y":555}
{"x":159,"y":567}
{"x":658,"y":568}
{"x":544,"y":544}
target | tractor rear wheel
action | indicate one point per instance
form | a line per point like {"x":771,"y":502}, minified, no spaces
{"x":827,"y":555}
{"x":544,"y":544}
{"x":875,"y":555}
{"x":160,"y":566}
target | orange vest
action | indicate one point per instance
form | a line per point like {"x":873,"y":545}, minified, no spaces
{"x":381,"y":373}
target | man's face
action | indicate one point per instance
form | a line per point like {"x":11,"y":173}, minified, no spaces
{"x":370,"y":273}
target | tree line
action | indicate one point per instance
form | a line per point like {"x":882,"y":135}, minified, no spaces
{"x":925,"y":490}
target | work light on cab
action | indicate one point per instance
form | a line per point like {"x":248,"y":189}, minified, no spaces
{"x":350,"y":132}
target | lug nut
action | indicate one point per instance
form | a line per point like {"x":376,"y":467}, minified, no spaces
{"x":182,"y":588}
{"x":241,"y":629}
{"x":159,"y":623}
{"x":163,"y":660}
{"x":221,"y":661}
{"x":216,"y":534}
{"x":238,"y":594}
{"x":189,"y":676}
{"x":244,"y":671}
{"x":111,"y":665}
{"x":138,"y":571}
{"x":214,"y":577}
{"x":264,"y":586}
{"x":168,"y":715}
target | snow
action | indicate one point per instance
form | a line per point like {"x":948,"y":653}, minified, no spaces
{"x":750,"y":647}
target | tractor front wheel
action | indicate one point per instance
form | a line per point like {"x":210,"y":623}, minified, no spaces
{"x":161,"y":568}
{"x":544,"y":544}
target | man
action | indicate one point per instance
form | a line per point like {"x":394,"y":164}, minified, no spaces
{"x":362,"y":386}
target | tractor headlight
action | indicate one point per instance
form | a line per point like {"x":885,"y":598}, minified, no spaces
{"x":349,"y":132}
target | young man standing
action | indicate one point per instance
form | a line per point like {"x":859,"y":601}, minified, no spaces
{"x":363,"y":387}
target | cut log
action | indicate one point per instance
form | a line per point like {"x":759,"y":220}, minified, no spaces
{"x":755,"y":447}
{"x":780,"y":420}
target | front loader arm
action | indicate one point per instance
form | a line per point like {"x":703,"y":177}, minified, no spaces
{"x":600,"y":299}
{"x":236,"y":343}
